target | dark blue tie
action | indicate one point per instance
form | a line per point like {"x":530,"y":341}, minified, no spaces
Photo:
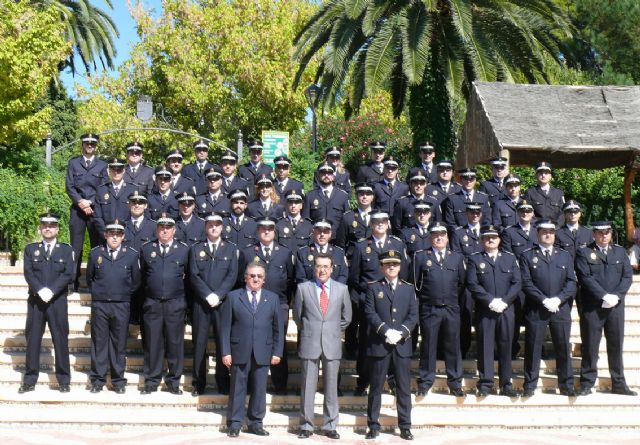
{"x":254,"y":301}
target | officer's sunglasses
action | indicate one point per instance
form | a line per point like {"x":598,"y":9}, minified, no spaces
{"x":135,"y":152}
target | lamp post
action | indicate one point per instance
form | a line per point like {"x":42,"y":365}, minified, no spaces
{"x":312,"y":94}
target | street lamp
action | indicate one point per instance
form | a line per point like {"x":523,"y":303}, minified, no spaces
{"x":312,"y":94}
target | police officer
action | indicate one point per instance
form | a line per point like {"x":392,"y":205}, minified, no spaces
{"x":113,"y":275}
{"x":293,"y":231}
{"x":189,"y":228}
{"x":494,"y":187}
{"x":85,"y":173}
{"x":179,"y":182}
{"x":454,"y":207}
{"x":230,"y":180}
{"x":326,"y":201}
{"x":213,"y":270}
{"x":444,"y":186}
{"x":161,"y":200}
{"x":255,"y":168}
{"x":49,"y":268}
{"x":239,"y":228}
{"x":164,"y":264}
{"x":279,"y":280}
{"x":417,"y":237}
{"x":427,"y":154}
{"x":573,"y":235}
{"x":371,"y":171}
{"x":439,"y":275}
{"x":606,"y":276}
{"x":213,"y":199}
{"x":391,"y":311}
{"x":282,"y":182}
{"x":404,"y":211}
{"x":305,"y":256}
{"x":365,"y":268}
{"x":546,"y":200}
{"x":504,"y":212}
{"x":332,"y":156}
{"x":266,"y":202}
{"x":389,"y":190}
{"x":196,"y":170}
{"x":112,"y":197}
{"x":138,"y":229}
{"x":136,"y":172}
{"x":355,"y":223}
{"x":493,"y":278}
{"x":549,"y":283}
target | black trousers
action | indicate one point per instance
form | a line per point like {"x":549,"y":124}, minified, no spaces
{"x":466,"y":321}
{"x":39,"y":314}
{"x":534,"y":338}
{"x":252,"y":377}
{"x":351,"y":333}
{"x":280,"y":372}
{"x":164,"y":337}
{"x":592,"y":323}
{"x":109,"y":331}
{"x":379,"y":368}
{"x":495,"y":329}
{"x":203,"y":318}
{"x":78,"y":224}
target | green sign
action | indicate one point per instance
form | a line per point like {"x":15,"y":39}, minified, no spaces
{"x":275,"y":143}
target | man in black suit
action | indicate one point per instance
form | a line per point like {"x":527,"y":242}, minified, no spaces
{"x":389,"y":190}
{"x":606,"y":276}
{"x":189,"y":227}
{"x":494,"y":187}
{"x":505,"y":210}
{"x":426,"y":165}
{"x":342,"y":180}
{"x":214,"y":199}
{"x":161,"y":200}
{"x":239,"y":228}
{"x":326,"y":201}
{"x":282,"y":183}
{"x":454,"y":207}
{"x":49,"y":268}
{"x":179,"y":182}
{"x":305,"y":256}
{"x":138,"y":229}
{"x":546,"y":200}
{"x":255,"y":168}
{"x":293,"y":231}
{"x":355,"y":223}
{"x":136,"y":172}
{"x":230,"y":180}
{"x":197,"y":169}
{"x":391,"y":310}
{"x":573,"y":236}
{"x":371,"y":171}
{"x":404,"y":211}
{"x":112,"y":197}
{"x":252,"y":338}
{"x":444,"y":186}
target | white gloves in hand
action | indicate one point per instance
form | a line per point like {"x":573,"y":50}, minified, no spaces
{"x":609,"y":301}
{"x":393,"y":336}
{"x":213,"y":300}
{"x":497,"y":305}
{"x":45,"y":294}
{"x":552,"y":304}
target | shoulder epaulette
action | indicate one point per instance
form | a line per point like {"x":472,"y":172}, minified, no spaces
{"x":183,"y":243}
{"x":507,"y":253}
{"x":405,"y":282}
{"x":395,"y":237}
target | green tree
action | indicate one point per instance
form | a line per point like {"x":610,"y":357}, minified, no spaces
{"x":426,"y":52}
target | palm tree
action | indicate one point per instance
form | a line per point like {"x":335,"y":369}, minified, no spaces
{"x":427,"y":52}
{"x":91,"y":31}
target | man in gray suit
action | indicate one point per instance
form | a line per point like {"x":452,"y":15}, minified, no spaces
{"x":322,"y":311}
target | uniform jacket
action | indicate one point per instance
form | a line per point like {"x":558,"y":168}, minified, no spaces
{"x":156,"y":206}
{"x":183,"y":184}
{"x":487,"y":279}
{"x":351,"y":230}
{"x":386,"y":199}
{"x":55,"y":273}
{"x":566,"y":240}
{"x":163,"y":278}
{"x":292,"y":184}
{"x":546,"y":206}
{"x":136,"y":238}
{"x":493,"y":189}
{"x":212,"y":273}
{"x":256,"y":210}
{"x":415,"y":241}
{"x":110,"y":206}
{"x":113,"y":280}
{"x":435,"y":190}
{"x":439,"y":285}
{"x":143,"y":179}
{"x":82,"y":182}
{"x":280,"y":269}
{"x":191,"y":233}
{"x":205,"y":205}
{"x":317,"y":206}
{"x":249,"y":173}
{"x":464,"y":241}
{"x":305,"y":259}
{"x":192,"y":171}
{"x":404,"y":212}
{"x":242,"y":234}
{"x":516,"y":241}
{"x":454,"y":208}
{"x":294,"y":238}
{"x":504,"y":213}
{"x":369,"y":172}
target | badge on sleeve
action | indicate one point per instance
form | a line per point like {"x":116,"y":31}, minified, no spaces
{"x":535,"y":259}
{"x":429,"y":263}
{"x":354,"y":224}
{"x":594,"y":256}
{"x":482,"y":265}
{"x":368,"y":249}
{"x":153,"y":254}
{"x":202,"y":254}
{"x":100,"y":260}
{"x":380,"y":294}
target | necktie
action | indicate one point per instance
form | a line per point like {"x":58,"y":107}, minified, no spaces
{"x":440,"y":258}
{"x":212,"y":248}
{"x":573,"y":233}
{"x":47,"y":251}
{"x":201,"y":169}
{"x":265,"y":206}
{"x":164,"y":198}
{"x":365,"y":219}
{"x":390,"y":185}
{"x":116,"y":190}
{"x":227,"y":182}
{"x":294,"y":223}
{"x":467,"y":197}
{"x":165,"y":248}
{"x":267,"y":253}
{"x":604,"y":251}
{"x":391,"y":287}
{"x":133,"y":171}
{"x":475,"y":232}
{"x":282,"y":187}
{"x":214,"y":198}
{"x":254,"y":301}
{"x":111,"y":254}
{"x":326,"y":194}
{"x":87,"y":163}
{"x":380,"y":245}
{"x":546,"y":255}
{"x":324,"y":299}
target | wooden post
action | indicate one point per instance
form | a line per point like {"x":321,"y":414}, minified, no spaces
{"x":629,"y":176}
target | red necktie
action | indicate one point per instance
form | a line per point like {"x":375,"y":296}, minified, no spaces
{"x":324,"y":299}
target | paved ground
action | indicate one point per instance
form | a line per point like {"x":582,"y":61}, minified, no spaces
{"x":20,"y":435}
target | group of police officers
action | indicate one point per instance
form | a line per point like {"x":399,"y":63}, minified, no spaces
{"x":169,"y":244}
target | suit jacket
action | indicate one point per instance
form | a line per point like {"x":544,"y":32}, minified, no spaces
{"x":113,"y":280}
{"x":404,"y":211}
{"x":244,"y":333}
{"x":82,"y":182}
{"x":487,"y":279}
{"x":504,"y":213}
{"x":321,"y":334}
{"x":318,"y":206}
{"x":516,"y":241}
{"x":292,"y":184}
{"x":492,"y":188}
{"x":204,"y":204}
{"x":191,"y":233}
{"x":163,"y":277}
{"x":546,"y":205}
{"x":565,"y":239}
{"x":249,"y":173}
{"x":454,"y":209}
{"x":136,"y":238}
{"x":55,"y":273}
{"x":305,"y":263}
{"x":192,"y":171}
{"x":143,"y":179}
{"x":212,"y":273}
{"x":243,"y":234}
{"x":386,"y":199}
{"x":110,"y":206}
{"x":439,"y":284}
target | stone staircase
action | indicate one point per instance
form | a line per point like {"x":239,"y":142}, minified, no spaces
{"x":46,"y":407}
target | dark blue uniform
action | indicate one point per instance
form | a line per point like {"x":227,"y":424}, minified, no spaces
{"x":142,"y":178}
{"x":112,"y":284}
{"x":390,"y":309}
{"x":249,"y":173}
{"x":183,"y":185}
{"x":317,"y":206}
{"x":55,"y":273}
{"x":237,"y":183}
{"x":191,"y":233}
{"x":82,"y":182}
{"x":282,"y":190}
{"x":157,"y":206}
{"x":255,"y":209}
{"x":164,"y":311}
{"x":205,"y":204}
{"x":386,"y":197}
{"x":505,"y":213}
{"x":280,"y":280}
{"x":294,"y":238}
{"x":547,"y":206}
{"x":369,"y":172}
{"x":488,"y":279}
{"x":602,"y":274}
{"x":136,"y":237}
{"x":430,"y":171}
{"x":494,"y":189}
{"x":363,"y":269}
{"x":403,"y":214}
{"x":242,"y":234}
{"x":352,"y":229}
{"x":414,"y":240}
{"x":305,"y":264}
{"x":542,"y":278}
{"x":197,"y":175}
{"x":572,"y":242}
{"x":454,"y":208}
{"x":210,"y":273}
{"x":435,"y":190}
{"x":439,"y":288}
{"x":111,"y":206}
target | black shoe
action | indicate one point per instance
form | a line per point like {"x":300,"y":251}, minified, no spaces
{"x":257,"y":430}
{"x":26,"y":388}
{"x":332,"y":434}
{"x":360,"y":392}
{"x":624,"y":391}
{"x":340,"y":393}
{"x":584,"y":391}
{"x":233,"y":432}
{"x":174,"y":390}
{"x":458,"y":392}
{"x":372,"y":434}
{"x":280,"y":392}
{"x":421,"y":392}
{"x":405,"y":433}
{"x":95,"y":389}
{"x":304,"y":434}
{"x":482,"y":392}
{"x":569,"y":392}
{"x":509,"y":392}
{"x":64,"y":388}
{"x":149,"y":390}
{"x":223,"y":391}
{"x":121,"y":389}
{"x":195,"y":392}
{"x":392,"y":390}
{"x":528,"y":392}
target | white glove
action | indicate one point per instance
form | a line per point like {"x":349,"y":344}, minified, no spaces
{"x":552,"y":304}
{"x":609,"y":301}
{"x":45,"y":294}
{"x":213,"y":300}
{"x":497,"y":305}
{"x":392,"y":336}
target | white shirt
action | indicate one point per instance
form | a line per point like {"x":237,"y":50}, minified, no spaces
{"x":573,"y":227}
{"x":216,"y":244}
{"x":187,"y":221}
{"x":377,"y":241}
{"x":137,"y":221}
{"x":88,"y":159}
{"x":440,"y":254}
{"x":250,"y":296}
{"x":51,"y":245}
{"x":526,"y":228}
{"x":321,"y":249}
{"x":545,"y":188}
{"x":270,"y":247}
{"x":393,"y":284}
{"x":328,"y":189}
{"x":214,"y":196}
{"x":113,"y":252}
